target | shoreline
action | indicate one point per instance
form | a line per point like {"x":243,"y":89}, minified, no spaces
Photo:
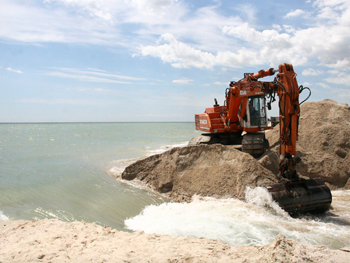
{"x":51,"y":240}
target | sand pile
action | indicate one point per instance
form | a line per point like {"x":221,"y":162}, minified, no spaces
{"x":56,"y":241}
{"x":222,"y":171}
{"x":205,"y":170}
{"x":323,"y":145}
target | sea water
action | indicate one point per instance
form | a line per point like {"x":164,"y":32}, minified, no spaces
{"x":64,"y":171}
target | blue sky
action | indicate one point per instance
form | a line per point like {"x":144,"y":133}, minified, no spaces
{"x":160,"y":60}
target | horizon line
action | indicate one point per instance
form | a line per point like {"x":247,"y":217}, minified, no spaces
{"x":71,"y":122}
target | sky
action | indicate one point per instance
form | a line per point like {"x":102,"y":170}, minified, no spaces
{"x":161,"y":60}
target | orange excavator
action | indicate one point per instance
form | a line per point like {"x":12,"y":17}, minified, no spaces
{"x":242,"y":121}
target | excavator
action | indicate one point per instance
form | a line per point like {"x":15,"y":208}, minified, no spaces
{"x":242,"y":121}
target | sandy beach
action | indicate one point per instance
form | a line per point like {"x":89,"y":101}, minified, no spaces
{"x":56,"y":241}
{"x":51,"y":240}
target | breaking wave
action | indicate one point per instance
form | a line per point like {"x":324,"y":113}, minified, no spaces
{"x":255,"y":222}
{"x":3,"y":217}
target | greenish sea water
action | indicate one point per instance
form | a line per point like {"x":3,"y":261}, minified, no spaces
{"x":62,"y":170}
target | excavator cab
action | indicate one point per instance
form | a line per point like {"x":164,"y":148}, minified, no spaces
{"x":256,"y":112}
{"x":254,"y":123}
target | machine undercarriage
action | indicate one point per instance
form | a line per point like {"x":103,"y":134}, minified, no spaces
{"x":253,"y":143}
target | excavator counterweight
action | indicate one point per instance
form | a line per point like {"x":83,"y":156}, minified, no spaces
{"x":242,"y":121}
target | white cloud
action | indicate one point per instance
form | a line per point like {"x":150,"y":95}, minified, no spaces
{"x":312,"y":72}
{"x":289,"y":29}
{"x":115,"y":11}
{"x":323,"y":85}
{"x":14,"y":70}
{"x":295,"y":13}
{"x":342,"y":77}
{"x":85,"y":77}
{"x":127,"y":23}
{"x":340,"y":64}
{"x":277,"y":27}
{"x":326,"y":41}
{"x":221,"y":83}
{"x":182,"y":55}
{"x":179,"y":54}
{"x":92,"y":75}
{"x":271,"y":38}
{"x":202,"y":27}
{"x":34,"y":23}
{"x":152,"y":5}
{"x":203,"y":38}
{"x":242,"y":31}
{"x":248,"y":12}
{"x":94,"y":89}
{"x":97,"y":72}
{"x":183,"y":81}
{"x":94,"y":8}
{"x":58,"y":101}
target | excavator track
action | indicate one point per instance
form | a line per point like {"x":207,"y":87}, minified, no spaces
{"x":304,"y":196}
{"x":254,"y":143}
{"x":221,"y":138}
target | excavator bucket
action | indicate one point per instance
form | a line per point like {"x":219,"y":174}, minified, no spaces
{"x":304,"y":196}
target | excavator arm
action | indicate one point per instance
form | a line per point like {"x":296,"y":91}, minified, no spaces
{"x":295,"y":195}
{"x":286,"y":86}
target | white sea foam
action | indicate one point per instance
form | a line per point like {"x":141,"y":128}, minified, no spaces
{"x":3,"y":217}
{"x":119,"y":167}
{"x":260,"y":196}
{"x":256,"y":222}
{"x":165,"y":148}
{"x":55,"y":214}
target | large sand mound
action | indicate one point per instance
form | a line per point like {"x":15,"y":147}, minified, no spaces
{"x":206,"y":170}
{"x":222,"y":171}
{"x":56,"y":241}
{"x":323,"y":145}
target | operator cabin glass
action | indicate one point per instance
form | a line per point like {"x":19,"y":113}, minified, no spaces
{"x":257,"y":111}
